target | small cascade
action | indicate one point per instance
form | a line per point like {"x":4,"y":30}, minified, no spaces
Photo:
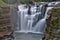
{"x":41,"y":25}
{"x":23,"y":20}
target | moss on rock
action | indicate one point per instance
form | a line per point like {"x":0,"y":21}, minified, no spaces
{"x":53,"y":24}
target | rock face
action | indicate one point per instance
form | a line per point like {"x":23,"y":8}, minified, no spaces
{"x":6,"y":29}
{"x":53,"y":25}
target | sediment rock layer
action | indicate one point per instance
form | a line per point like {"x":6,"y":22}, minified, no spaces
{"x":6,"y":29}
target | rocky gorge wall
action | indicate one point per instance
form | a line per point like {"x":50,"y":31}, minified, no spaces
{"x":53,"y":25}
{"x":6,"y":29}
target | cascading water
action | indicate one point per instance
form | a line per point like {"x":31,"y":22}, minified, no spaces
{"x":33,"y":20}
{"x":23,"y":20}
{"x":41,"y":25}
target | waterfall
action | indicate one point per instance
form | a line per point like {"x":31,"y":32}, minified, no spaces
{"x":41,"y":25}
{"x":35,"y":21}
{"x":31,"y":21}
{"x":23,"y":21}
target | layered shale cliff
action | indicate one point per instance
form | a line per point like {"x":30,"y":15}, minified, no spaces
{"x":6,"y":29}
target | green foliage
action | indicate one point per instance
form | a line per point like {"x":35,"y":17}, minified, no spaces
{"x":25,"y":1}
{"x":10,"y":1}
{"x":22,"y":1}
{"x":2,"y":4}
{"x":39,"y":0}
{"x":43,"y":0}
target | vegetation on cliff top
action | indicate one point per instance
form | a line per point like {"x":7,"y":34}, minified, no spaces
{"x":43,"y":0}
{"x":3,"y":4}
